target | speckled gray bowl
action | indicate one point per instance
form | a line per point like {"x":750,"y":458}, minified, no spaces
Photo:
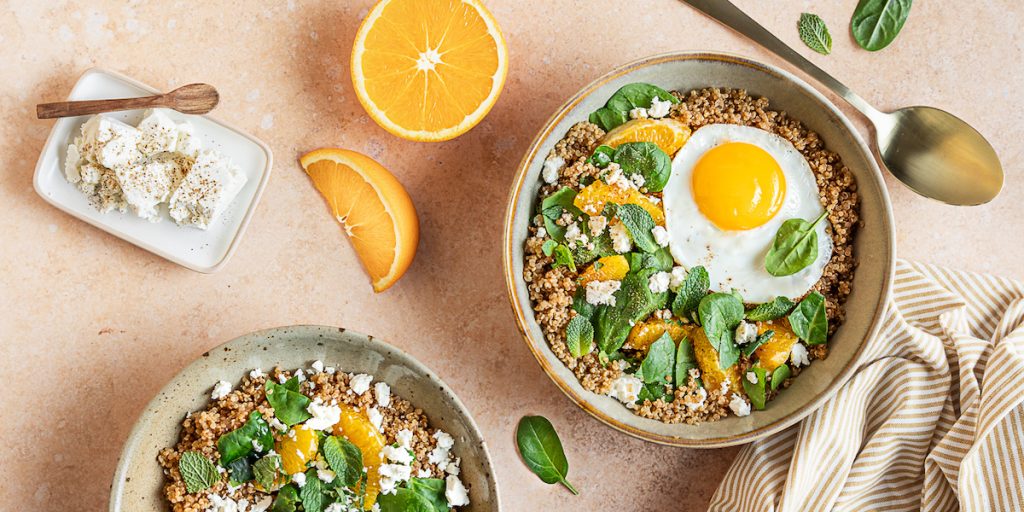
{"x":874,"y":245}
{"x":139,"y":480}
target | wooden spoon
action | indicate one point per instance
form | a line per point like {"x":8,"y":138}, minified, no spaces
{"x":188,"y":99}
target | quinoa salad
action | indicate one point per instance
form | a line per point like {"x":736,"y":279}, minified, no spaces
{"x":312,"y":440}
{"x":691,"y":252}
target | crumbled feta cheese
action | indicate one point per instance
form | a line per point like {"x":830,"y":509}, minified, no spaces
{"x":798,"y":355}
{"x":626,"y":389}
{"x":317,"y":366}
{"x":746,"y":332}
{"x":455,"y":492}
{"x":324,"y":415}
{"x":660,"y":235}
{"x":301,"y":375}
{"x":659,"y":108}
{"x":541,"y":232}
{"x":325,"y":475}
{"x":423,"y":473}
{"x":207,"y":190}
{"x":723,"y":389}
{"x":739,"y":406}
{"x":281,"y":378}
{"x":393,"y":454}
{"x":299,"y":479}
{"x":220,"y":503}
{"x":392,"y":475}
{"x":383,"y":394}
{"x":159,"y":132}
{"x":602,"y":292}
{"x":439,"y":454}
{"x":574,"y":235}
{"x":146,"y":184}
{"x":658,"y":283}
{"x":678,"y":278}
{"x":257,"y":373}
{"x":404,"y":438}
{"x":453,"y":467}
{"x":330,"y":370}
{"x":638,"y":113}
{"x":702,"y":396}
{"x":616,"y":178}
{"x":188,"y":143}
{"x":597,"y":224}
{"x":621,"y":242}
{"x":752,"y":377}
{"x":638,"y":180}
{"x":109,"y":142}
{"x":276,"y":423}
{"x":360,"y":383}
{"x":220,"y":390}
{"x":72,"y":161}
{"x":256,"y":445}
{"x":375,"y":417}
{"x":337,"y":507}
{"x":551,"y":167}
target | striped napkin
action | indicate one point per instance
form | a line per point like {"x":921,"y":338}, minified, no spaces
{"x":933,"y":419}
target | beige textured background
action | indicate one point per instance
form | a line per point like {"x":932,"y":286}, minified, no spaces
{"x":91,"y":327}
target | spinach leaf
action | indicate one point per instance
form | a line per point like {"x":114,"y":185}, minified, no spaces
{"x":551,"y":209}
{"x":562,"y":254}
{"x":581,"y":306}
{"x":685,"y":361}
{"x":652,"y":391}
{"x":876,"y":23}
{"x":603,"y":246}
{"x":602,"y":156}
{"x":266,"y":470}
{"x":660,"y":361}
{"x":289,"y":405}
{"x":647,"y":160}
{"x":756,"y":392}
{"x":312,"y":493}
{"x":809,"y":319}
{"x":795,"y":247}
{"x":286,"y":499}
{"x":780,"y":375}
{"x":720,"y":313}
{"x":404,"y":500}
{"x":639,"y":223}
{"x":432,"y":489}
{"x":542,"y":450}
{"x":197,"y":471}
{"x":814,"y":33}
{"x":579,"y":336}
{"x":695,"y":287}
{"x":633,"y":302}
{"x":240,"y":442}
{"x":630,"y":96}
{"x":749,"y":348}
{"x":344,"y":458}
{"x":240,"y":469}
{"x":777,"y":308}
{"x":660,"y":260}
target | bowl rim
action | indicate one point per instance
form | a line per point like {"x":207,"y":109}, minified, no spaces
{"x":116,"y":496}
{"x":511,"y":279}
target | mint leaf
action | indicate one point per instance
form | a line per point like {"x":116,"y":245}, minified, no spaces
{"x":579,"y":336}
{"x":266,"y":469}
{"x":777,"y":308}
{"x":312,"y":493}
{"x":286,"y":499}
{"x":647,"y":160}
{"x":694,"y":288}
{"x":814,"y":33}
{"x":289,"y":405}
{"x":197,"y":471}
{"x":344,"y":458}
{"x":639,"y":223}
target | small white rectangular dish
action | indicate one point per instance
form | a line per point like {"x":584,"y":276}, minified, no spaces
{"x":203,"y":251}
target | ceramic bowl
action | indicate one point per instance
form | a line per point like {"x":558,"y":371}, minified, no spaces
{"x":874,"y":244}
{"x":139,"y":479}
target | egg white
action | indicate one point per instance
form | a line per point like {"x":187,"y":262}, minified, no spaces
{"x":735,"y":259}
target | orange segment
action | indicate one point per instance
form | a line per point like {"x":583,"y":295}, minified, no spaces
{"x":593,"y":198}
{"x":775,"y":351}
{"x":668,"y":134}
{"x":609,"y":268}
{"x":710,"y":371}
{"x":355,"y":426}
{"x":644,"y":334}
{"x":372,"y":206}
{"x":297,"y":448}
{"x":428,"y":70}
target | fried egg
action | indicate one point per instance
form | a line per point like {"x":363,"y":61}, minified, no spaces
{"x":731,"y":189}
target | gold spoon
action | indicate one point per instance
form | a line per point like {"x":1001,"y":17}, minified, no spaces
{"x":188,"y":99}
{"x":931,"y":151}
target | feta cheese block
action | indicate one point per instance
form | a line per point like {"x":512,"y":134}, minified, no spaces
{"x":147,"y":184}
{"x":109,"y":142}
{"x":159,"y":133}
{"x":206,"y":191}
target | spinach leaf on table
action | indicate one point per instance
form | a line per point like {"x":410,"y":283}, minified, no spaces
{"x":289,"y":405}
{"x":809,"y":319}
{"x":795,"y":247}
{"x":876,"y":23}
{"x":647,"y":160}
{"x":542,"y":450}
{"x":630,"y":96}
{"x":720,"y":313}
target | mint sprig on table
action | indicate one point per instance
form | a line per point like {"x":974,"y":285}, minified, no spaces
{"x":542,"y":451}
{"x":197,"y":471}
{"x":814,"y":33}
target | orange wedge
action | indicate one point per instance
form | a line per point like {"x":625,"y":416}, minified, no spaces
{"x":668,"y":134}
{"x":372,"y":206}
{"x":428,"y":70}
{"x":355,"y":426}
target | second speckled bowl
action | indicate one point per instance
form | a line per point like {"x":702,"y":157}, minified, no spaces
{"x":139,"y":480}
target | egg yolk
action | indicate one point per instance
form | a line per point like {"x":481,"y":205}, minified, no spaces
{"x":738,"y":186}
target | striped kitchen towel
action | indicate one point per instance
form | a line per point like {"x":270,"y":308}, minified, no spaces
{"x":933,"y":419}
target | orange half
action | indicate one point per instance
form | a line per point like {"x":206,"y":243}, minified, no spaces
{"x":373,"y":208}
{"x":428,"y":70}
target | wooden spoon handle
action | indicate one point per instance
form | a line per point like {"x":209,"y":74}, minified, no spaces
{"x":83,"y":108}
